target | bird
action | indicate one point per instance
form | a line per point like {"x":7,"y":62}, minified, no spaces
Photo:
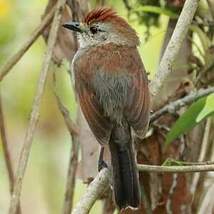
{"x":112,"y":88}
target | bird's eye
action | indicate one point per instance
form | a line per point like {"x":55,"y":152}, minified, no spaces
{"x":93,"y":29}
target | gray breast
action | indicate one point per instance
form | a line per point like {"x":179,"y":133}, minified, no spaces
{"x":111,"y":91}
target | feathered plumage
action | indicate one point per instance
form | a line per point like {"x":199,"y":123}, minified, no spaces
{"x":112,"y":86}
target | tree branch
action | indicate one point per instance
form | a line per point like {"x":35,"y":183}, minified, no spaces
{"x":202,"y":154}
{"x":102,"y":180}
{"x":176,"y":105}
{"x":176,"y":169}
{"x":35,"y":110}
{"x":5,"y":148}
{"x":94,"y":190}
{"x":73,"y":161}
{"x":16,"y":57}
{"x":71,"y":126}
{"x":174,"y":45}
{"x":7,"y":157}
{"x":71,"y":176}
{"x":74,"y":152}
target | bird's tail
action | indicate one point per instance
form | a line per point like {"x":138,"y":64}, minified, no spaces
{"x":125,"y":175}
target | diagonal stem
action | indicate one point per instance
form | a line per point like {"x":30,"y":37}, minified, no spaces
{"x":6,"y":153}
{"x":174,"y":45}
{"x":73,"y":159}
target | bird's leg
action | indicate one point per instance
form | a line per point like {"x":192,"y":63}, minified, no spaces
{"x":101,"y":162}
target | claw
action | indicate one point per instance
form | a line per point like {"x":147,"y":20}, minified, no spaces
{"x":101,"y":163}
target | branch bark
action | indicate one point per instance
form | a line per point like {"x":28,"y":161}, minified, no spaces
{"x":73,"y":161}
{"x":71,"y":176}
{"x":94,"y":190}
{"x":6,"y":152}
{"x":176,"y":169}
{"x":202,"y":154}
{"x":16,"y":57}
{"x":174,"y":46}
{"x":23,"y":159}
{"x":173,"y":106}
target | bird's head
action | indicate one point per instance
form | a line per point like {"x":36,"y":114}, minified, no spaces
{"x":101,"y":26}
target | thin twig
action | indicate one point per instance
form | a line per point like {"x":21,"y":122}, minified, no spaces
{"x":5,"y":147}
{"x":74,"y":6}
{"x":70,"y":124}
{"x":176,"y":169}
{"x":174,"y":46}
{"x":202,"y":155}
{"x":16,"y":57}
{"x":186,"y":163}
{"x":71,"y":176}
{"x":35,"y":110}
{"x":176,"y":105}
{"x":94,"y":190}
{"x":6,"y":152}
{"x":73,"y":161}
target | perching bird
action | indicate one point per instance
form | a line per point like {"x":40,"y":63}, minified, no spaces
{"x":112,"y":87}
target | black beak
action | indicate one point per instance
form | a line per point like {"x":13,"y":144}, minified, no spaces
{"x":75,"y":26}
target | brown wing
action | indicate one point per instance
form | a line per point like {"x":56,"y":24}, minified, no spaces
{"x":138,"y":101}
{"x":99,"y":124}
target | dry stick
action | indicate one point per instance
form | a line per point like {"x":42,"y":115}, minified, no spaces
{"x":202,"y":155}
{"x":5,"y":148}
{"x":95,"y":189}
{"x":176,"y":169}
{"x":16,"y":57}
{"x":102,"y":180}
{"x":173,"y":106}
{"x":71,"y":126}
{"x":71,"y":176}
{"x":6,"y":153}
{"x":174,"y":45}
{"x":35,"y":110}
{"x":73,"y":161}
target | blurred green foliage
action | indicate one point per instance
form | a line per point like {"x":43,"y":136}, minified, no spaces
{"x":197,"y":112}
{"x":149,"y":12}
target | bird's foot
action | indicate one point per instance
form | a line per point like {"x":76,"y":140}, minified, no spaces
{"x":102,"y":164}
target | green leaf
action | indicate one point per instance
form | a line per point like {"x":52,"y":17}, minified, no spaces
{"x":208,"y":108}
{"x":157,"y":10}
{"x":172,"y":162}
{"x":197,"y":112}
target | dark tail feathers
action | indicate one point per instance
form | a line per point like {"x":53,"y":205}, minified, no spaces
{"x":125,"y":175}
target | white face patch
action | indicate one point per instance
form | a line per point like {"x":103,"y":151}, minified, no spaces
{"x":86,"y":40}
{"x":105,"y":34}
